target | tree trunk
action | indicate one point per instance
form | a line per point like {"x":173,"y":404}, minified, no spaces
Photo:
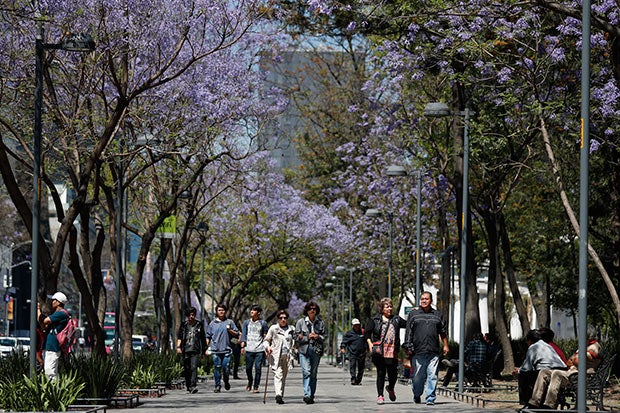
{"x":573,"y":220}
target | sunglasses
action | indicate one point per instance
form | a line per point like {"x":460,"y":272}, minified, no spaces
{"x":312,"y":309}
{"x":283,"y":318}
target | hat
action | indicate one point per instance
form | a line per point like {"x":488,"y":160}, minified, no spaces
{"x":355,"y":321}
{"x":58,"y":296}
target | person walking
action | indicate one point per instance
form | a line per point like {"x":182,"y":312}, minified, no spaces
{"x":219,"y":333}
{"x":310,"y":334}
{"x":355,"y":343}
{"x":191,"y":343}
{"x":426,"y":327}
{"x":280,"y":341}
{"x":53,"y":324}
{"x":382,"y":334}
{"x":252,"y":335}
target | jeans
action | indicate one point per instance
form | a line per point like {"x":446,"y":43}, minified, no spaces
{"x":309,"y":364}
{"x":190,"y":369}
{"x":253,"y":359}
{"x":221,"y":365}
{"x":426,"y":366}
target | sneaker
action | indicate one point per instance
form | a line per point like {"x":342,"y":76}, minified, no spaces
{"x":417,"y":400}
{"x":429,"y":403}
{"x":380,"y":400}
{"x":391,"y":393}
{"x":248,"y":387}
{"x":353,"y":382}
{"x":279,"y":400}
{"x":194,"y":390}
{"x":308,"y":400}
{"x":217,"y":389}
{"x":256,"y":390}
{"x":227,"y":385}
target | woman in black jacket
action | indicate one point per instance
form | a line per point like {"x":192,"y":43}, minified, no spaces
{"x":383,"y":337}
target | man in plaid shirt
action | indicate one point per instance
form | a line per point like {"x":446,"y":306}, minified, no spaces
{"x":475,"y":356}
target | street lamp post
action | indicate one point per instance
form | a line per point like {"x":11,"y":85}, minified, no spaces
{"x":71,"y":42}
{"x":436,"y":110}
{"x":202,"y":228}
{"x":341,"y":268}
{"x":397,"y":170}
{"x":373,"y":213}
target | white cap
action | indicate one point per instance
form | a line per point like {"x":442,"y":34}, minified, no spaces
{"x":58,"y":296}
{"x":355,"y":321}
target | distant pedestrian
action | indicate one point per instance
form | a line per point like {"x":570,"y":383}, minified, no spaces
{"x":426,"y":327}
{"x":382,"y":335}
{"x":252,"y":335}
{"x":280,"y":341}
{"x":355,"y":343}
{"x":310,"y":335}
{"x":54,"y":323}
{"x":191,"y":343}
{"x":219,"y":333}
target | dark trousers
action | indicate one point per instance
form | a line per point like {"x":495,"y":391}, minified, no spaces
{"x":253,"y":361}
{"x":356,"y":368}
{"x":385,"y":366}
{"x":526,"y":385}
{"x":190,"y":369}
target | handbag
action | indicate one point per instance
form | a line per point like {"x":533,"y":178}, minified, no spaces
{"x":377,"y":346}
{"x":318,"y":347}
{"x":377,"y":349}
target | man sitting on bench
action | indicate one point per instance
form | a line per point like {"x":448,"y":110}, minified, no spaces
{"x":549,"y":382}
{"x":475,"y":356}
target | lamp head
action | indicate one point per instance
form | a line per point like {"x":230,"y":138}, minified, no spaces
{"x":78,"y":42}
{"x":396,"y":170}
{"x":436,"y":110}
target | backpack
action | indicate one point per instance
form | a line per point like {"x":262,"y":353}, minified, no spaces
{"x":67,"y":337}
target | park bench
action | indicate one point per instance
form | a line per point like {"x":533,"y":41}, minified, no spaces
{"x":595,"y":385}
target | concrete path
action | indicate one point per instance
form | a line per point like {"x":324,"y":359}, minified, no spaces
{"x":334,"y":394}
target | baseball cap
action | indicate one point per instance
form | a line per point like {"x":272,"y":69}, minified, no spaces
{"x":60,"y":297}
{"x":355,"y":321}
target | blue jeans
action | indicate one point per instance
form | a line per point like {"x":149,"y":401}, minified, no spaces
{"x":253,"y":359}
{"x":426,"y":367}
{"x":221,"y":365}
{"x":309,"y":364}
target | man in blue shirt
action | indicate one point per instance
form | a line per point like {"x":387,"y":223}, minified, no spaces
{"x":219,"y":332}
{"x":54,"y":323}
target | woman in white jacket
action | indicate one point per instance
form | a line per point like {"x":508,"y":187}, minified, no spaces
{"x":279,"y":351}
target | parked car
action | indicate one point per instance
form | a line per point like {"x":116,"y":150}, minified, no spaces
{"x":7,"y":346}
{"x":23,"y":343}
{"x":138,"y":342}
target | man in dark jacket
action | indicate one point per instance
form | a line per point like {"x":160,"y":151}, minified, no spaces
{"x":191,"y":342}
{"x":426,"y":327}
{"x":356,"y":343}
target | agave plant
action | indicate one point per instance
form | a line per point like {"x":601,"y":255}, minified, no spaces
{"x":40,"y":394}
{"x":102,"y":375}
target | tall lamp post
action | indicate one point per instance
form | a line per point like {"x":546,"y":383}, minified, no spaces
{"x":397,"y":170}
{"x":374,"y":213}
{"x":438,"y":110}
{"x":341,"y":268}
{"x":202,"y":229}
{"x":74,"y":43}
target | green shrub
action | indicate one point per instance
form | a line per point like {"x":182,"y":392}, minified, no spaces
{"x":40,"y":394}
{"x":166,"y":367}
{"x":142,"y":378}
{"x":14,"y":367}
{"x":102,"y":375}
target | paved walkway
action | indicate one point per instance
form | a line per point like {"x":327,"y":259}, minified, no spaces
{"x":334,"y":394}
